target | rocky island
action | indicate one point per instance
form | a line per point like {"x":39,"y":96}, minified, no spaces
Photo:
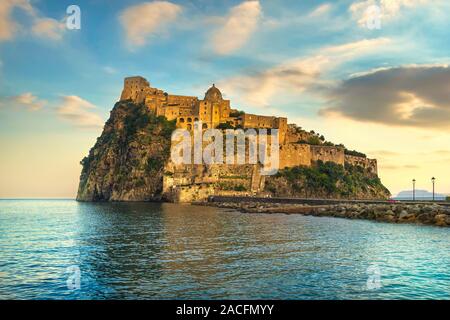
{"x":131,"y":159}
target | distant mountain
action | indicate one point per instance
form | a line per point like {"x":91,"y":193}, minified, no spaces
{"x":420,"y":195}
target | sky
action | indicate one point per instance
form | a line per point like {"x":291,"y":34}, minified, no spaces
{"x":370,"y":74}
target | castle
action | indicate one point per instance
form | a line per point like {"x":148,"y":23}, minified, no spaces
{"x":212,"y":111}
{"x":187,"y":183}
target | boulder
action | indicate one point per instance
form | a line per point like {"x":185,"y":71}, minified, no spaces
{"x":404,"y":216}
{"x":425,"y":218}
{"x":440,"y":220}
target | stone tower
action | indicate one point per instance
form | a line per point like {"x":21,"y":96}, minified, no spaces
{"x":134,"y":88}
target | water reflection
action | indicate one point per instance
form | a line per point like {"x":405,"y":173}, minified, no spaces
{"x":148,"y":250}
{"x":119,"y":246}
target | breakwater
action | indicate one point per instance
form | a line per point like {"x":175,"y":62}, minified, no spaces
{"x":419,"y":213}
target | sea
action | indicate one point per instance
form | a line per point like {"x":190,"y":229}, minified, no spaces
{"x":64,"y":249}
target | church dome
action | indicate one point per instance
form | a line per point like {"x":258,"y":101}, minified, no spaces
{"x":213,"y":94}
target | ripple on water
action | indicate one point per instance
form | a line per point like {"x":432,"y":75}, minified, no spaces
{"x":145,"y":250}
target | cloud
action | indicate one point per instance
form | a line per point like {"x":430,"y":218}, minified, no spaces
{"x":79,"y":112}
{"x":384,"y":153}
{"x":237,"y":27}
{"x":109,"y":70}
{"x":296,"y":75}
{"x":148,"y":19}
{"x":415,"y":96}
{"x":25,"y":100}
{"x":320,"y":10}
{"x":48,"y":28}
{"x":43,"y":27}
{"x":389,"y":9}
{"x":9,"y":27}
{"x":442,"y":152}
{"x":398,"y":167}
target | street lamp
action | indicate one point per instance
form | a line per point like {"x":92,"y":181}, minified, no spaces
{"x":414,"y":189}
{"x":433,"y":180}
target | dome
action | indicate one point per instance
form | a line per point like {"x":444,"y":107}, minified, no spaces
{"x":213,"y":94}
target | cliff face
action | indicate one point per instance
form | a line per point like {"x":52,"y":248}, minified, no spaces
{"x":127,"y":161}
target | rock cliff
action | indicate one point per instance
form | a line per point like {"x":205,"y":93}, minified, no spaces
{"x":127,"y":161}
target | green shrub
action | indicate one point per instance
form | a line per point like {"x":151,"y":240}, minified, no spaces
{"x":312,"y":140}
{"x":240,"y":188}
{"x":154,"y":164}
{"x":328,"y":178}
{"x":235,"y":114}
{"x":226,"y":125}
{"x":355,"y":153}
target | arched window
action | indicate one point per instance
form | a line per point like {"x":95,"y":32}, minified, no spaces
{"x":205,"y":126}
{"x":189,"y":119}
{"x":181,"y":120}
{"x":196,"y":119}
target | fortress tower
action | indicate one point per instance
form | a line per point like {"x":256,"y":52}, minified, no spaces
{"x":133,"y":88}
{"x":213,"y":109}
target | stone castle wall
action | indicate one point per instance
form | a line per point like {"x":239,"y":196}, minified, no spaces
{"x":265,"y":122}
{"x":369,"y":164}
{"x":187,"y":183}
{"x":295,"y":154}
{"x":295,"y":135}
{"x":328,"y":153}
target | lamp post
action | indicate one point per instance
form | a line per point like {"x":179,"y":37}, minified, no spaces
{"x":414,"y":189}
{"x":433,"y":180}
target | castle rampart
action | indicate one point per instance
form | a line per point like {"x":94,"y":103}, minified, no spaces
{"x":295,"y":154}
{"x":366,"y":163}
{"x":328,"y":153}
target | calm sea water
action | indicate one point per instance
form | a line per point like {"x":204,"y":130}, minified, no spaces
{"x":145,"y":250}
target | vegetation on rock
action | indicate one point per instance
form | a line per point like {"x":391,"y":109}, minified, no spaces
{"x":327,"y":180}
{"x":355,"y":153}
{"x":128,"y":159}
{"x":237,"y":113}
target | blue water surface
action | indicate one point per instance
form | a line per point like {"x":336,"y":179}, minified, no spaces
{"x":171,"y":251}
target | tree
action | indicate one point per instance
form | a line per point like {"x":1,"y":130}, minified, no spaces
{"x":226,"y":125}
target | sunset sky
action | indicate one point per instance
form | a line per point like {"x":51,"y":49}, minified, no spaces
{"x":385,"y":92}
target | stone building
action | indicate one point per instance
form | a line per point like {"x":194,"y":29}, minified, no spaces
{"x":212,"y":111}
